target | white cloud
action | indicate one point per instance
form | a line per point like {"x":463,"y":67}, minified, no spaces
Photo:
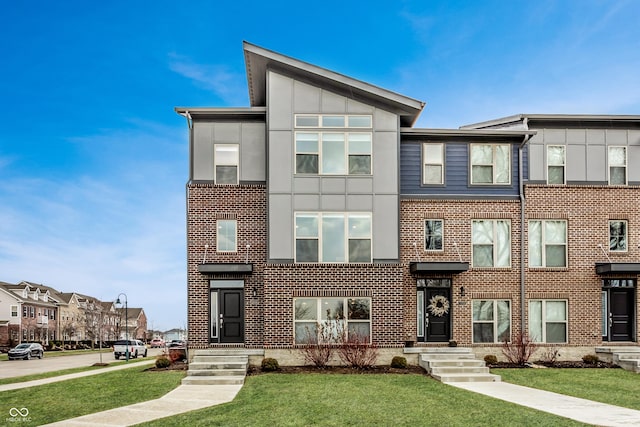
{"x":219,"y":79}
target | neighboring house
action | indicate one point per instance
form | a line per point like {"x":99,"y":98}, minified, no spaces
{"x":174,"y":334}
{"x":137,"y":323}
{"x":10,"y":321}
{"x":39,"y":311}
{"x":322,"y":204}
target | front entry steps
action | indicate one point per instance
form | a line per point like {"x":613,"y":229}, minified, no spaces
{"x":627,"y":358}
{"x":217,"y":366}
{"x":455,"y":364}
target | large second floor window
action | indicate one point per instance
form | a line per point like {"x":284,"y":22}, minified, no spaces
{"x":617,"y":165}
{"x":324,"y":146}
{"x":491,"y":243}
{"x":548,"y":243}
{"x":226,"y":160}
{"x":333,"y":237}
{"x":490,"y":164}
{"x":556,"y":159}
{"x":433,"y":234}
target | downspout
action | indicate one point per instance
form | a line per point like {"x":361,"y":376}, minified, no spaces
{"x":522,"y":225}
{"x":190,"y":131}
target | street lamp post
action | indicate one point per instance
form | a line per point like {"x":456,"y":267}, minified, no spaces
{"x":126,"y":323}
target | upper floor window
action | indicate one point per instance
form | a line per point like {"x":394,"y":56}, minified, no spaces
{"x":490,"y":164}
{"x":14,"y":311}
{"x":617,"y":165}
{"x":556,"y":162}
{"x":432,"y":164}
{"x":332,"y":152}
{"x":491,"y":243}
{"x":227,"y":160}
{"x":547,"y":243}
{"x":618,"y":236}
{"x":227,"y":235}
{"x":333,"y":237}
{"x":433,"y":234}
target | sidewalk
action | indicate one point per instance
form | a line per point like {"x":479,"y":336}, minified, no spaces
{"x":582,"y":410}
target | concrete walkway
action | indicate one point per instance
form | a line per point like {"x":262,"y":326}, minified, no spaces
{"x":582,"y":410}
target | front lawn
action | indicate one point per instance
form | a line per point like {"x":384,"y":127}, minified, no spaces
{"x":370,"y":399}
{"x":73,"y":398}
{"x":613,"y":386}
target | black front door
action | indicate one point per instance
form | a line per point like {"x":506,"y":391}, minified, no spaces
{"x":434,"y":312}
{"x":618,"y":310}
{"x":227,"y":315}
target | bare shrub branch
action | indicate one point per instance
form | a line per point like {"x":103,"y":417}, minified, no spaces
{"x":520,"y":349}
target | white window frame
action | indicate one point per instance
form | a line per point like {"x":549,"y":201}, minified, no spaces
{"x":218,"y":162}
{"x":626,"y":235}
{"x":544,"y":321}
{"x":220,"y":225}
{"x":441,"y":249}
{"x":495,"y":243}
{"x":426,"y":163}
{"x":563,"y":165}
{"x":493,"y":164}
{"x":543,"y":243}
{"x":339,"y":324}
{"x":14,"y":311}
{"x":347,"y":236}
{"x":493,"y":321}
{"x":346,"y":120}
{"x":610,"y":165}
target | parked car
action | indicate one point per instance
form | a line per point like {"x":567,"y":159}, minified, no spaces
{"x":177,"y":343}
{"x":157,"y":343}
{"x":136,"y":348}
{"x":26,"y":351}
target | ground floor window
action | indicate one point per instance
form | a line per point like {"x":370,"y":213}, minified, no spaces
{"x":548,"y":321}
{"x":331,"y":319}
{"x":491,"y":321}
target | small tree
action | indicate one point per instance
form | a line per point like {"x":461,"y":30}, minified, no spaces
{"x":520,"y":350}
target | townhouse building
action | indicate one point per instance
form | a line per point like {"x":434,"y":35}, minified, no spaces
{"x":320,"y":210}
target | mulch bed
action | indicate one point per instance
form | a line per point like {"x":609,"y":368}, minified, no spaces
{"x":563,"y":364}
{"x":411,"y":369}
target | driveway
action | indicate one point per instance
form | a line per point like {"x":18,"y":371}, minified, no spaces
{"x":18,"y":368}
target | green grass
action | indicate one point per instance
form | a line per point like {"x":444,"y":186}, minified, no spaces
{"x":51,"y":374}
{"x":613,"y":386}
{"x":373,"y":400}
{"x":73,"y":398}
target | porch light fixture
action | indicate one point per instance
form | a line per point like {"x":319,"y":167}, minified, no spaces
{"x":254,"y":292}
{"x":461,"y":291}
{"x":126,"y":322}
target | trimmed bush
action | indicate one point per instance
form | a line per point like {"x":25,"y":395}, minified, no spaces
{"x":399,"y":362}
{"x":590,"y":359}
{"x":490,"y":359}
{"x":162,"y":362}
{"x":269,"y":364}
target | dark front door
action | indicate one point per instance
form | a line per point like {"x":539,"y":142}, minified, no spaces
{"x":618,"y":300}
{"x":435,"y":314}
{"x":227,"y":315}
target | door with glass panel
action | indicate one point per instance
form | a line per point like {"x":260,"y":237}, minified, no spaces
{"x":434,"y":310}
{"x":226,"y":317}
{"x":618,"y":314}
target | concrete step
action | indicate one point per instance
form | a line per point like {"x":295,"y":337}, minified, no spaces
{"x":218,"y":365}
{"x":445,"y":356}
{"x":459,"y":370}
{"x":216,"y":372}
{"x":228,"y":352}
{"x":218,"y":359}
{"x":451,"y":378}
{"x":471,"y":363}
{"x":213,"y":380}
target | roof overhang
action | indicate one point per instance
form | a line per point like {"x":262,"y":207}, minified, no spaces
{"x":225,"y":268}
{"x":259,"y":60}
{"x":204,"y":113}
{"x":445,"y":267}
{"x":515,"y":136}
{"x":564,"y":120}
{"x":605,"y":268}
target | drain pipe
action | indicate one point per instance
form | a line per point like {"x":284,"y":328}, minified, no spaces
{"x":522,"y":224}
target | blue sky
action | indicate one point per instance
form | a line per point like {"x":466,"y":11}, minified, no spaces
{"x":93,"y":158}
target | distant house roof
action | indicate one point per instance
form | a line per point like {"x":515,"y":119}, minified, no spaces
{"x":578,"y":120}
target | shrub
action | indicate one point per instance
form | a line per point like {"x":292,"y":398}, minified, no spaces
{"x":490,"y":359}
{"x":162,"y":362}
{"x":317,"y":348}
{"x":519,"y":350}
{"x":399,"y":362}
{"x":590,"y":359}
{"x":356,"y":351}
{"x":550,"y":356}
{"x":269,"y":364}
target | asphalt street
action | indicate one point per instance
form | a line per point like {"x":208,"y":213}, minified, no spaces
{"x":17,"y":368}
